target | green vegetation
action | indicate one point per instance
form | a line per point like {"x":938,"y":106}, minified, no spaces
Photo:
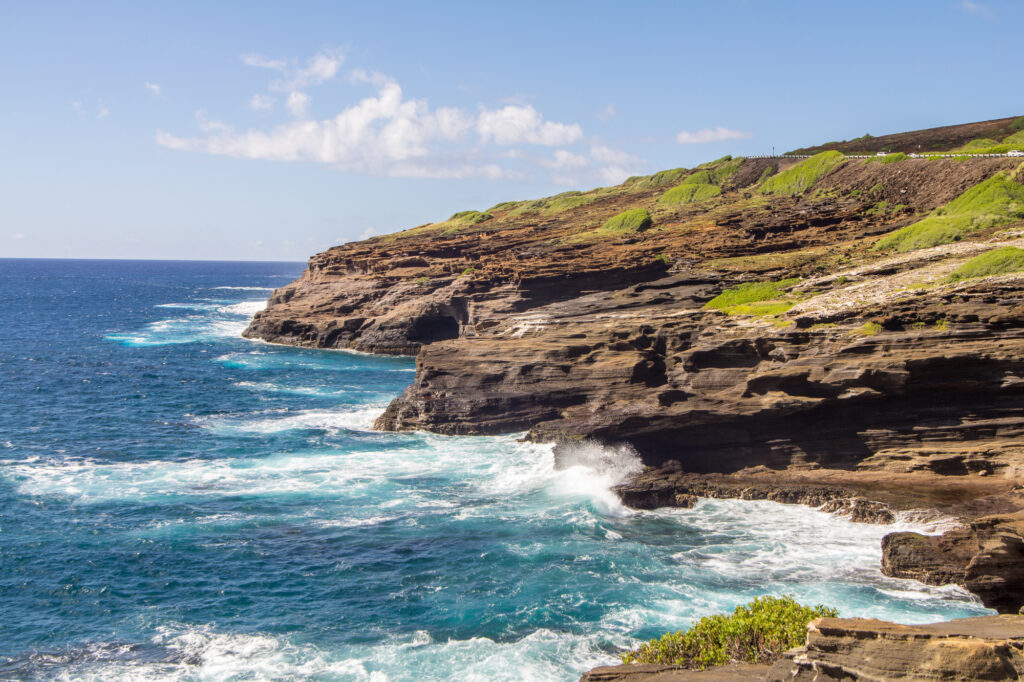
{"x":996,"y":201}
{"x":688,"y":193}
{"x":995,"y":262}
{"x":1017,"y":125}
{"x":505,"y":206}
{"x":659,"y":179}
{"x":469,"y":217}
{"x":883,"y":207}
{"x":758,"y":632}
{"x":626,"y":223}
{"x":702,"y":184}
{"x":804,"y":175}
{"x":977,"y":145}
{"x":754,"y":298}
{"x":558,"y":203}
{"x":888,"y":158}
{"x":663,"y":258}
{"x":868,"y":329}
{"x":468,"y":271}
{"x":1016,"y":140}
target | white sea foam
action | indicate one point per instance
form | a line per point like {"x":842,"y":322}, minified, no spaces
{"x":331,"y":421}
{"x":204,"y":653}
{"x":246,"y":308}
{"x":212,"y":320}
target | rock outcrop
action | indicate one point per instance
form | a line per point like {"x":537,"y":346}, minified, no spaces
{"x":870,"y":365}
{"x":986,"y":556}
{"x":985,"y":648}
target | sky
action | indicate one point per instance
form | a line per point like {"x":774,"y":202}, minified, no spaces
{"x":273,"y":130}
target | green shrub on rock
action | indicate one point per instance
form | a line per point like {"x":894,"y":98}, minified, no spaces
{"x":758,"y":632}
{"x":804,"y":175}
{"x":688,"y":193}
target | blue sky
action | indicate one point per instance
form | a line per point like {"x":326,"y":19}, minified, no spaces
{"x":258,"y":130}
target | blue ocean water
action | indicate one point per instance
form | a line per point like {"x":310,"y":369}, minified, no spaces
{"x":177,"y":502}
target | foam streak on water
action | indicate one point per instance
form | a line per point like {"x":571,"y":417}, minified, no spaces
{"x":180,"y":503}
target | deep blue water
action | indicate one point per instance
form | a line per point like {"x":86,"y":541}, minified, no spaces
{"x":177,"y":502}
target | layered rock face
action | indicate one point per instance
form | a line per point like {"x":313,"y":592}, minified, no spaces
{"x":539,"y":317}
{"x":987,"y":648}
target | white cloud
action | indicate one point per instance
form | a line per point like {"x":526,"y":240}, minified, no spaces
{"x":261,"y":103}
{"x":385,"y":134}
{"x":716,"y":134}
{"x":152,"y":87}
{"x":606,"y":114}
{"x":318,"y":69}
{"x":20,"y":235}
{"x":103,"y":111}
{"x":262,"y":62}
{"x":563,"y":158}
{"x":298,"y":104}
{"x":524,"y":124}
{"x":614,"y":156}
{"x":976,"y":8}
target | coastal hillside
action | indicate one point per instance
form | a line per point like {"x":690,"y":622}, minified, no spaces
{"x":822,"y":330}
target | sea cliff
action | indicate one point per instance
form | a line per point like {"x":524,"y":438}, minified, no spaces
{"x":829,"y":330}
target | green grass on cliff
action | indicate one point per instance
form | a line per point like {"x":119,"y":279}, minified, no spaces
{"x":1016,"y":140}
{"x":688,"y":193}
{"x":996,"y":201}
{"x":758,"y":632}
{"x":556,"y":204}
{"x":754,"y":298}
{"x":704,"y":183}
{"x":629,"y":222}
{"x":659,"y":179}
{"x":804,"y":175}
{"x":995,"y":262}
{"x":977,"y":145}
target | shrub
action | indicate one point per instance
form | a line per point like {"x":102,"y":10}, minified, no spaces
{"x":688,"y":193}
{"x":1017,"y":125}
{"x":758,"y":632}
{"x":626,"y":223}
{"x":469,"y":217}
{"x":738,"y":299}
{"x":995,"y":262}
{"x":804,"y":175}
{"x":868,"y":329}
{"x":633,"y":220}
{"x":992,"y":202}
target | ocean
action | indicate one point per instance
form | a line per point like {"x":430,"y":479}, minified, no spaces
{"x":180,"y":503}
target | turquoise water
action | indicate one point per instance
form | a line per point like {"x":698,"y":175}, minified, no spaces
{"x":177,"y":502}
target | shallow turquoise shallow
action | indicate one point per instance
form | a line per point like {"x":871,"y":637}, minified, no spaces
{"x":177,"y":502}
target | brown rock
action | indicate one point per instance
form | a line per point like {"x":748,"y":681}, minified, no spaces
{"x":985,"y":648}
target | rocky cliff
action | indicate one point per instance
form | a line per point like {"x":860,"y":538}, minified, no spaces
{"x":805,"y":318}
